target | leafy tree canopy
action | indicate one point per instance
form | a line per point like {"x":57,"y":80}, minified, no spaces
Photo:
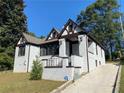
{"x":101,"y":20}
{"x":12,"y":23}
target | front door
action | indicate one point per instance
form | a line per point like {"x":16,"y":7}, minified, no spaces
{"x":74,"y":48}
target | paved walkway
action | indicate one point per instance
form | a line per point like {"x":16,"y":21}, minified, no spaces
{"x":101,"y":80}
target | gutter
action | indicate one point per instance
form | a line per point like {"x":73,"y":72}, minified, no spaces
{"x":28,"y":58}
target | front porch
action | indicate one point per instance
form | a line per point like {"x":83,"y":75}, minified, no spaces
{"x":65,"y":62}
{"x":59,"y":68}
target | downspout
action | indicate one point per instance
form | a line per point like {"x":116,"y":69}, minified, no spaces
{"x":28,"y":58}
{"x":87,"y":54}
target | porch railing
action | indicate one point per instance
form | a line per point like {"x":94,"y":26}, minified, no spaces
{"x":54,"y":62}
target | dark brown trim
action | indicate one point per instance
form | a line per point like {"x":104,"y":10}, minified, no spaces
{"x":20,"y":45}
{"x":90,"y":52}
{"x":97,"y":42}
{"x":27,"y":43}
{"x":28,"y":58}
{"x":73,"y":66}
{"x":66,"y":26}
{"x":49,"y":41}
{"x":80,"y":33}
{"x":69,"y":35}
{"x":51,"y":32}
{"x":53,"y":67}
{"x":77,"y":67}
{"x":32,"y":44}
{"x":92,"y":38}
{"x":69,"y":66}
{"x":24,"y":37}
{"x":46,"y":42}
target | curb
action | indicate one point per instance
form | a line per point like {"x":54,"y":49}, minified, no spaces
{"x":62,"y":87}
{"x":117,"y":81}
{"x":59,"y":89}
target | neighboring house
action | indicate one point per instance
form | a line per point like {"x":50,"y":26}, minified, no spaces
{"x":65,"y":54}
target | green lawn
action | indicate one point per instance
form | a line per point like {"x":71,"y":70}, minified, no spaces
{"x":121,"y":90}
{"x":20,"y":83}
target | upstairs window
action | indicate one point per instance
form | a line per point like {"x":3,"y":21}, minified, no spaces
{"x":21,"y":51}
{"x":96,"y":49}
{"x":90,"y":46}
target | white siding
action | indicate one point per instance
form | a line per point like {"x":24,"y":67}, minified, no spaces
{"x":21,"y":62}
{"x":94,"y":56}
{"x":58,"y":73}
{"x":34,"y":52}
{"x":83,"y":51}
{"x":81,"y":61}
{"x":62,"y":48}
{"x":24,"y":63}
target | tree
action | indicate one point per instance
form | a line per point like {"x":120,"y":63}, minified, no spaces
{"x":32,"y":34}
{"x":6,"y":62}
{"x":101,"y":19}
{"x":12,"y":23}
{"x":42,"y":37}
{"x":37,"y":69}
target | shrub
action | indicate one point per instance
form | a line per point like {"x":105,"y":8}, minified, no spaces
{"x":37,"y":69}
{"x":6,"y":62}
{"x":122,"y":58}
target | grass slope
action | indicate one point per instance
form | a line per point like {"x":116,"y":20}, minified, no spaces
{"x":20,"y":83}
{"x":121,"y":90}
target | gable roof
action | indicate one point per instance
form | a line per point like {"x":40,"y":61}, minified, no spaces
{"x":69,"y":20}
{"x":37,"y":41}
{"x":54,"y":29}
{"x":32,"y":39}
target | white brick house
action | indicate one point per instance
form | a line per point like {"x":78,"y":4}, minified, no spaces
{"x":65,"y":54}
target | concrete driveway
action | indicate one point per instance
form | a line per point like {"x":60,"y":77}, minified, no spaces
{"x":100,"y":80}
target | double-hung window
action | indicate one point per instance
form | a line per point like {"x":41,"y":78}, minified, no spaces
{"x":21,"y":51}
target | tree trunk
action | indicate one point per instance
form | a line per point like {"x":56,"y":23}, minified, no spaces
{"x":110,"y":53}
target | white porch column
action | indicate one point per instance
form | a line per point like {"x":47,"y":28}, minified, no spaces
{"x":62,"y":48}
{"x":83,"y":51}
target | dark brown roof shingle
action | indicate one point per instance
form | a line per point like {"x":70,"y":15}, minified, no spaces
{"x":32,"y":39}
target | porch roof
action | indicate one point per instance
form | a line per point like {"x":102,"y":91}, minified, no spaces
{"x":71,"y":37}
{"x":49,"y":41}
